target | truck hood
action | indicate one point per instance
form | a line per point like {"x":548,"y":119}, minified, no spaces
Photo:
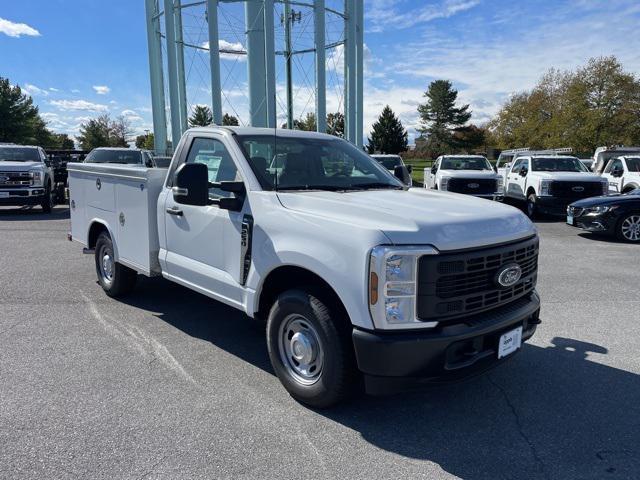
{"x":6,"y":166}
{"x":468,"y":173}
{"x":417,"y":216}
{"x":569,"y":176}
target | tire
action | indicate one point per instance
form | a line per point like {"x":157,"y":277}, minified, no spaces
{"x":532,"y":208}
{"x":47,"y":201}
{"x":628,"y":228}
{"x":301,"y":325}
{"x":115,"y":279}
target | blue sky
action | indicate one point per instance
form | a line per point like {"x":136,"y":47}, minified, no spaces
{"x":81,"y":58}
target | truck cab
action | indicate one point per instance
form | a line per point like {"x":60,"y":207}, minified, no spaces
{"x":121,"y":155}
{"x":469,"y":174}
{"x":360,"y":280}
{"x":623,"y":174}
{"x":547,"y":184}
{"x":26,"y":177}
{"x":602,"y":156}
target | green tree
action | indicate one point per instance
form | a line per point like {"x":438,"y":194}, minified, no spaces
{"x":335,"y":124}
{"x":201,"y":116}
{"x":440,"y":115}
{"x":307,"y":123}
{"x":20,"y":121}
{"x":469,"y":138}
{"x":119,"y":131}
{"x":387,"y":135}
{"x":230,"y":120}
{"x":61,"y":141}
{"x":95,"y":133}
{"x":145,"y":141}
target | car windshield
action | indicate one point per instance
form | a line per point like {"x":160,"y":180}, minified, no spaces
{"x":17,"y":154}
{"x":557,"y":164}
{"x":290,"y":163}
{"x":633,"y":164}
{"x":465,"y":163}
{"x":389,"y":162}
{"x":114,"y":156}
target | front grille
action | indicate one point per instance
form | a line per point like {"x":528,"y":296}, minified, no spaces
{"x":15,"y":179}
{"x":473,"y":186}
{"x":457,"y":284}
{"x":575,"y":190}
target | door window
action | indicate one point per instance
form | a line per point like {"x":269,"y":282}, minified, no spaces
{"x":617,"y":163}
{"x":216,"y":157}
{"x":517,"y":165}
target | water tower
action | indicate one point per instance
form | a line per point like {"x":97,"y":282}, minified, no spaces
{"x":265,"y":62}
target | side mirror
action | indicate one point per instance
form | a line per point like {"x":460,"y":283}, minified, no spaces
{"x":434,"y":170}
{"x":192,"y":184}
{"x":402,"y":173}
{"x":523,"y":172}
{"x":233,"y":203}
{"x":616,"y":172}
{"x":409,"y":168}
{"x":507,"y":165}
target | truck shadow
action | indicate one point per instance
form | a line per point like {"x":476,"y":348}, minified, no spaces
{"x":18,"y":214}
{"x":550,"y":412}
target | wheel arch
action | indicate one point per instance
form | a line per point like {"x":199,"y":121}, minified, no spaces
{"x":630,"y":187}
{"x":96,"y":227}
{"x":290,"y":277}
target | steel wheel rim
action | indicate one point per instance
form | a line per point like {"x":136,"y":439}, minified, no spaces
{"x":631,"y":228}
{"x":105,"y":264}
{"x":301,"y":350}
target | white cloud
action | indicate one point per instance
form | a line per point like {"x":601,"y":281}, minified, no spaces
{"x":51,"y":89}
{"x":34,"y":91}
{"x":383,"y":15}
{"x":75,"y":90}
{"x":16,"y":30}
{"x":101,"y":89}
{"x":128,"y":113}
{"x":79,"y":105}
{"x":229,"y":50}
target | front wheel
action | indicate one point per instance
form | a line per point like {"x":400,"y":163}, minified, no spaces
{"x":114,"y":278}
{"x":311,"y":352}
{"x":532,"y":208}
{"x":47,"y":201}
{"x":629,"y":228}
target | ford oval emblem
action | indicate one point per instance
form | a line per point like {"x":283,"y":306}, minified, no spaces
{"x":473,"y":185}
{"x":578,"y":189}
{"x":98,"y":184}
{"x":4,"y":179}
{"x":509,"y":275}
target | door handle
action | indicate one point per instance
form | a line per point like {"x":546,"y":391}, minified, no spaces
{"x":174,"y":211}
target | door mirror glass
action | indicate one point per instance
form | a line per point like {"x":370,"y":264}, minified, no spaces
{"x":616,"y":172}
{"x":409,"y":168}
{"x":434,"y":169}
{"x":191,"y":186}
{"x":402,"y":173}
{"x":523,"y":172}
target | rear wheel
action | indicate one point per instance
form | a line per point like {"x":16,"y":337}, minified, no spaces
{"x":532,"y":208}
{"x":114,"y":278}
{"x":629,"y":228}
{"x":47,"y":201}
{"x":311,"y":352}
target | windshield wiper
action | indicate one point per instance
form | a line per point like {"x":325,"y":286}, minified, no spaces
{"x":329,"y":188}
{"x":365,"y":186}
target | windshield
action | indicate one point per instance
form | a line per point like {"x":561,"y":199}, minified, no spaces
{"x":114,"y":156}
{"x":465,"y":163}
{"x":17,"y":154}
{"x":633,"y":164}
{"x":388,"y":162}
{"x":286,"y":163}
{"x":557,"y":164}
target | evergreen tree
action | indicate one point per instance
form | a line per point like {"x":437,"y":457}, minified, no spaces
{"x":145,"y":141}
{"x":388,"y":134}
{"x":20,"y":121}
{"x":335,"y":124}
{"x":308,"y":123}
{"x":201,"y":116}
{"x":440,"y":116}
{"x":230,"y":120}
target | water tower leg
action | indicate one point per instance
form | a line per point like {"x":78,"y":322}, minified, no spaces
{"x":174,"y":102}
{"x":270,"y":64}
{"x":182,"y":84}
{"x":350,"y":70}
{"x":321,"y":76}
{"x":254,"y":22}
{"x":155,"y":75}
{"x":359,"y":71}
{"x":214,"y":61}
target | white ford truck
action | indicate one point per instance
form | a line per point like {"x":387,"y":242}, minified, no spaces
{"x":357,"y":276}
{"x":549,"y":183}
{"x":470,"y":174}
{"x":26,"y":177}
{"x":623,"y":174}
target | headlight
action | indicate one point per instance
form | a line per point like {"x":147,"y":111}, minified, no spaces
{"x":598,"y":210}
{"x":36,"y":178}
{"x":543,"y":191}
{"x":392,"y":286}
{"x":500,"y":184}
{"x":444,"y":183}
{"x":605,"y":188}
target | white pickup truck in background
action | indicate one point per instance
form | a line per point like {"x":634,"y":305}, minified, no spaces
{"x":602,"y":155}
{"x":623,"y":174}
{"x":470,"y":174}
{"x":549,"y":183}
{"x":357,"y":276}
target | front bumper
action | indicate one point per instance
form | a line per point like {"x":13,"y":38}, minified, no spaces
{"x":555,"y":206}
{"x":599,"y":223}
{"x":22,"y":196}
{"x":395,"y":361}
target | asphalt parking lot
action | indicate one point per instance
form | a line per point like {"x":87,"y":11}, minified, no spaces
{"x":169,"y":384}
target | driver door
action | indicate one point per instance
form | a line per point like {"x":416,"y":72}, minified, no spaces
{"x":203,"y":242}
{"x":614,"y":178}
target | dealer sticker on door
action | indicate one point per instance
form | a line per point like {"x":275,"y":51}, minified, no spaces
{"x":510,"y":342}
